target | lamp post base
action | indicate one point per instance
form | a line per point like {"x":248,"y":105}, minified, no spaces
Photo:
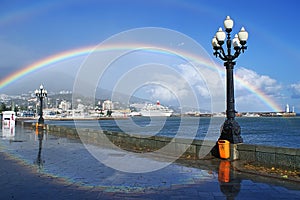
{"x":41,"y":120}
{"x":231,"y":131}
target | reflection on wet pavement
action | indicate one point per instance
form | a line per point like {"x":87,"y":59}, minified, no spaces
{"x":68,"y":160}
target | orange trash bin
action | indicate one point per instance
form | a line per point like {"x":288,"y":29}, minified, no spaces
{"x":224,"y":149}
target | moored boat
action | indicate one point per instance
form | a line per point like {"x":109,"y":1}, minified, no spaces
{"x":156,"y":110}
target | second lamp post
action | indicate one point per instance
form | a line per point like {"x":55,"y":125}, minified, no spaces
{"x":41,"y":94}
{"x":230,"y":130}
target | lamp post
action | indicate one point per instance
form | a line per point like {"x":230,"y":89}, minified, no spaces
{"x":41,"y":94}
{"x":230,"y":130}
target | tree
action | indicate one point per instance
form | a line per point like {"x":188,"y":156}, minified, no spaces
{"x":3,"y":107}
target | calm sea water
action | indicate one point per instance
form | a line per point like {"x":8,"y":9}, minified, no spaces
{"x":277,"y":131}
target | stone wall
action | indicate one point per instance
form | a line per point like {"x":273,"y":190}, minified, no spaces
{"x":270,"y":156}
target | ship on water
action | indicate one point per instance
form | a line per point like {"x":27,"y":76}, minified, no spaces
{"x":156,"y":110}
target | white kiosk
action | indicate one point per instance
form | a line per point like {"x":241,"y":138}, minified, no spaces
{"x":8,"y":119}
{"x":8,"y":124}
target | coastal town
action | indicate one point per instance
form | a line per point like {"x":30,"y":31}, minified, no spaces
{"x":60,"y":106}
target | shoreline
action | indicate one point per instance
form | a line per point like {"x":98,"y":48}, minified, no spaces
{"x":261,"y":115}
{"x":72,"y":119}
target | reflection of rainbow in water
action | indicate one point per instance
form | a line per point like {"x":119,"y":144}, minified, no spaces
{"x":63,"y":56}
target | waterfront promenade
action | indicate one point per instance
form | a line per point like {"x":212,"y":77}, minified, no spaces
{"x":67,"y":171}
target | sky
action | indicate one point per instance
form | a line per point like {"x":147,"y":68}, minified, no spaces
{"x":267,"y":73}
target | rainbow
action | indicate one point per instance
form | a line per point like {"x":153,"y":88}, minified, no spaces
{"x":44,"y":63}
{"x":84,"y":51}
{"x":260,"y":94}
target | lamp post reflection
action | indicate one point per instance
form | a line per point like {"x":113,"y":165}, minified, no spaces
{"x":40,"y":136}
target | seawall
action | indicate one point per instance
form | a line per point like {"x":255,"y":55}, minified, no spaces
{"x":279,"y":157}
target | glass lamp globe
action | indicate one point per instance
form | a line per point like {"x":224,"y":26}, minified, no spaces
{"x":220,"y":35}
{"x":243,"y":35}
{"x":228,"y":23}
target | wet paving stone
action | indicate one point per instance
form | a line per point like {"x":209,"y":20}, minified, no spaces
{"x":64,"y":169}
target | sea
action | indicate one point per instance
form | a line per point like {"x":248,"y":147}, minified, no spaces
{"x":270,"y":131}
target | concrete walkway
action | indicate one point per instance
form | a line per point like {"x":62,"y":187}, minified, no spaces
{"x":64,"y":169}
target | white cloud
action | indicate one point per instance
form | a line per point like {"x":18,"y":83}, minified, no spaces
{"x":187,"y":83}
{"x":169,"y":87}
{"x":250,"y":103}
{"x":262,"y":82}
{"x":194,"y":79}
{"x":295,"y":88}
{"x":249,"y":100}
{"x":162,"y":94}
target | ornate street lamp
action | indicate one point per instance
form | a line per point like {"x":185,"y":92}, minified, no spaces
{"x":41,"y":94}
{"x":230,"y":130}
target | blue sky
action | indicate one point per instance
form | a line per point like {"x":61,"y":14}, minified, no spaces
{"x":33,"y":30}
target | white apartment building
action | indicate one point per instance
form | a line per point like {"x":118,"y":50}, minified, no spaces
{"x":65,"y":105}
{"x":107,"y":105}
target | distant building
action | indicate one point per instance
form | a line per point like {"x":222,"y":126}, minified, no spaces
{"x":107,"y":105}
{"x":65,"y":105}
{"x":80,"y":107}
{"x":65,"y":92}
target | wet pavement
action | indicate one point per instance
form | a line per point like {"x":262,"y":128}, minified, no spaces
{"x":43,"y":166}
